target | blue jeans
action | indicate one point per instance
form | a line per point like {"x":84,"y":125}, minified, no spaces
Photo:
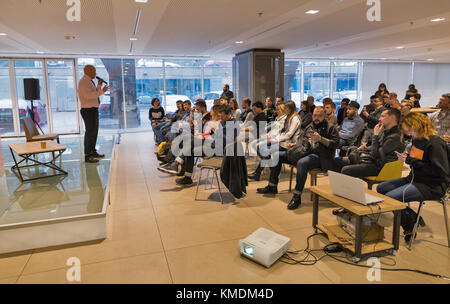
{"x":394,"y":189}
{"x":304,"y":164}
{"x":158,"y":130}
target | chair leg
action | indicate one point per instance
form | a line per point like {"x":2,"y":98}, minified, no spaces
{"x":198,"y":182}
{"x":416,"y":224}
{"x":218,"y":185}
{"x":290,"y":179}
{"x":444,"y":205}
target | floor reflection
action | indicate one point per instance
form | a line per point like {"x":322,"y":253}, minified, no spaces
{"x":81,"y":192}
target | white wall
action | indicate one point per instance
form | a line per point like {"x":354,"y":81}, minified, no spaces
{"x":432,"y":80}
{"x":396,"y":76}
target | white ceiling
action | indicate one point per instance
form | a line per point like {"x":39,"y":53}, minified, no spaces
{"x":211,"y":28}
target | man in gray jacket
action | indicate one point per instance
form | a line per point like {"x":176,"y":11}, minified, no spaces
{"x":368,"y":161}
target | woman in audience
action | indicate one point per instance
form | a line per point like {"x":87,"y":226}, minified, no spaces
{"x":287,"y":131}
{"x":429,"y":176}
{"x":235,"y":110}
{"x":411,"y":91}
{"x":382,"y":90}
{"x":305,"y":114}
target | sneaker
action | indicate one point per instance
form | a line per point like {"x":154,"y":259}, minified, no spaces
{"x":96,"y":155}
{"x":91,"y":159}
{"x":172,"y":169}
{"x":295,"y":202}
{"x":184,"y":181}
{"x":267,"y":190}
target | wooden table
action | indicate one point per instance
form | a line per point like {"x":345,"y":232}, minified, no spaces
{"x":357,"y":247}
{"x":424,"y":110}
{"x":28,"y":151}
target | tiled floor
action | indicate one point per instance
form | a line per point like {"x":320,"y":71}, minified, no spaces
{"x":158,"y":233}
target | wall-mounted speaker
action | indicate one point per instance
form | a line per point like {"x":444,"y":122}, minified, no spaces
{"x":32,"y":89}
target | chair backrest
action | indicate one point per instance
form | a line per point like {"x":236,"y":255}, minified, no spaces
{"x":29,"y":127}
{"x":390,"y":171}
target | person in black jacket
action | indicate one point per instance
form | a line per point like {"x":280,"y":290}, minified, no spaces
{"x":369,"y":160}
{"x":323,"y":139}
{"x":342,"y":113}
{"x":305,"y":114}
{"x":429,"y":177}
{"x":270,"y":110}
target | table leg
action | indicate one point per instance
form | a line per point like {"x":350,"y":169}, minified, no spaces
{"x":16,"y":165}
{"x":358,"y":237}
{"x":315,"y":210}
{"x":396,"y":229}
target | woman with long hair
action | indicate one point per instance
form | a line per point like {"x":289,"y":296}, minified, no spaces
{"x":429,"y":163}
{"x":235,"y":110}
{"x":382,"y":90}
{"x":305,"y":114}
{"x":287,"y":133}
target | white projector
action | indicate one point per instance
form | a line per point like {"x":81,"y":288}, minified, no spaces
{"x":264,"y":246}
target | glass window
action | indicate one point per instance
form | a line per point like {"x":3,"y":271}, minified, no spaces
{"x":345,"y":81}
{"x":292,"y":81}
{"x":6,"y":111}
{"x":183,"y":82}
{"x":111,"y":104}
{"x":31,"y":69}
{"x":62,"y":96}
{"x":149,"y":84}
{"x":217,"y":74}
{"x":317,"y":80}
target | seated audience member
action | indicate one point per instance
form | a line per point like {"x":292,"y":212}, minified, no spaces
{"x":382,"y":90}
{"x":385,"y":100}
{"x":156,"y":113}
{"x":289,"y":134}
{"x":224,"y":100}
{"x":368,"y":161}
{"x":260,"y":117}
{"x":305,"y":114}
{"x":226,"y":92}
{"x":441,"y":118}
{"x":393,"y":101}
{"x":310,"y":100}
{"x":416,"y":100}
{"x":430,"y":175}
{"x":372,"y":118}
{"x":163,"y":128}
{"x":352,"y":126}
{"x":269,"y":110}
{"x":342,"y":113}
{"x":370,"y":107}
{"x":330,"y":108}
{"x":235,"y":110}
{"x":247,"y":115}
{"x":279,"y":100}
{"x":411,"y":91}
{"x":216,"y":102}
{"x":406,"y":107}
{"x":316,"y":149}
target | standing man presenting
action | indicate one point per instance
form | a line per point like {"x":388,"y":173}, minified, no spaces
{"x":89,"y":95}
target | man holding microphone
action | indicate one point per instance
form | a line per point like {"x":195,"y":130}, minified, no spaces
{"x":89,"y":95}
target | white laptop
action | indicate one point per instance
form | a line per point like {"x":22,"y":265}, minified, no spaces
{"x":351,"y":188}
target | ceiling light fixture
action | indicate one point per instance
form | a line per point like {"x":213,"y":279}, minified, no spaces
{"x":133,"y":39}
{"x":239,"y":42}
{"x":437,"y":20}
{"x":400,"y":47}
{"x":141,"y":1}
{"x":3,"y":34}
{"x":312,"y":12}
{"x":431,"y":59}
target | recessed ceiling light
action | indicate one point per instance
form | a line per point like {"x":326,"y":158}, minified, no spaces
{"x":312,"y":12}
{"x":431,"y":59}
{"x":239,"y":42}
{"x":400,"y":47}
{"x":39,"y":52}
{"x":3,"y":34}
{"x":437,"y":19}
{"x":133,"y":39}
{"x":141,"y":1}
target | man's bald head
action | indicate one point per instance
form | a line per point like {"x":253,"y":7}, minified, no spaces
{"x":90,"y":71}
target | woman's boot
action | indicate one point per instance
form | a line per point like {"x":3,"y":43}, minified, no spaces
{"x":257,"y":174}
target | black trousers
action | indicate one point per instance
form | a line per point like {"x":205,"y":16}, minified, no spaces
{"x":344,"y":165}
{"x":90,"y":118}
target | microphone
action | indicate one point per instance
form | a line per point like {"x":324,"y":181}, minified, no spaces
{"x":100,"y":79}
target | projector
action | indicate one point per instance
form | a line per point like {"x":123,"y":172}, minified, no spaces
{"x":264,"y":246}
